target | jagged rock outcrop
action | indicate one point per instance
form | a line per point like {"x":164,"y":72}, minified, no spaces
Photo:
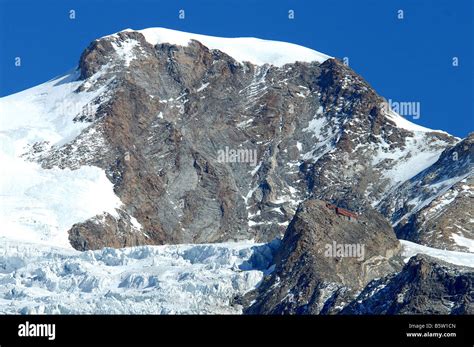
{"x":324,"y":260}
{"x":424,"y":286}
{"x":107,"y":231}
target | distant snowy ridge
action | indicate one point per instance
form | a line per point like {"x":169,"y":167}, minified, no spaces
{"x":256,"y":51}
{"x":410,"y":249}
{"x":404,"y":123}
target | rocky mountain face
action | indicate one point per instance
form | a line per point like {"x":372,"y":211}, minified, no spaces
{"x":324,"y":260}
{"x":167,"y":111}
{"x":424,"y":286}
{"x":201,"y":148}
{"x":435,"y":207}
{"x":309,"y":280}
{"x":446,"y":222}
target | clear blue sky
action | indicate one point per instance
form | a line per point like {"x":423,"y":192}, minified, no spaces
{"x":404,"y":60}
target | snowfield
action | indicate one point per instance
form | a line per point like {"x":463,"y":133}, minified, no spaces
{"x":36,"y":204}
{"x":174,"y":279}
{"x":409,"y":249}
{"x":40,"y":206}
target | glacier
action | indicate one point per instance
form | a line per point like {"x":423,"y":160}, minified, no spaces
{"x":170,"y":279}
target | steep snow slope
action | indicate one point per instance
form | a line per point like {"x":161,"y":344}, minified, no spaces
{"x":404,"y":123}
{"x":256,"y":51}
{"x":151,"y":279}
{"x":435,"y":207}
{"x":418,"y":153}
{"x":41,"y":205}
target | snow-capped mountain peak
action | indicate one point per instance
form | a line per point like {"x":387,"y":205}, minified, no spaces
{"x":253,"y":50}
{"x":126,"y":151}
